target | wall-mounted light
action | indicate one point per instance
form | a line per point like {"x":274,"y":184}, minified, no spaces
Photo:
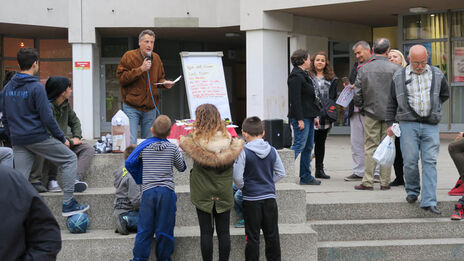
{"x":432,"y":15}
{"x":21,"y":44}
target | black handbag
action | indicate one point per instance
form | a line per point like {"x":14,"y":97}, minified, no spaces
{"x":329,"y":110}
{"x":287,"y":135}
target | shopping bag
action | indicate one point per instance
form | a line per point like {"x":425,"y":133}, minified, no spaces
{"x":385,"y":152}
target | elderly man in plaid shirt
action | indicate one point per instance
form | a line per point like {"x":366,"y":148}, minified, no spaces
{"x":417,"y":94}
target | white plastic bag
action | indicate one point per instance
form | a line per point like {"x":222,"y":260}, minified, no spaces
{"x":120,"y":130}
{"x":385,"y":152}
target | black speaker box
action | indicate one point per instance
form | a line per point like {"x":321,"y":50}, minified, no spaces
{"x":274,"y":133}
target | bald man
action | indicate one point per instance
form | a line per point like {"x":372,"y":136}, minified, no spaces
{"x":417,"y":94}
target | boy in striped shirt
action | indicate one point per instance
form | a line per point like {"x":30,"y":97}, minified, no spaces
{"x":156,"y":157}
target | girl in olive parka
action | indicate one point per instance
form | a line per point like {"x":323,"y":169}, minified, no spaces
{"x":213,"y":151}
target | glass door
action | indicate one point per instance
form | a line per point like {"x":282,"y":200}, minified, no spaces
{"x":111,"y":100}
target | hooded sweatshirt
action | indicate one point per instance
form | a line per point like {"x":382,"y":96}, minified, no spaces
{"x":257,"y":169}
{"x":128,"y":194}
{"x":26,"y":111}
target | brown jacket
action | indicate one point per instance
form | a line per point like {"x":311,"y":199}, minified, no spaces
{"x":134,"y":81}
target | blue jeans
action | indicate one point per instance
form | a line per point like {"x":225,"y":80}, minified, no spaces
{"x":420,"y":138}
{"x":238,"y":201}
{"x":137,"y":117}
{"x":131,"y":218}
{"x":303,"y":143}
{"x":157,"y":215}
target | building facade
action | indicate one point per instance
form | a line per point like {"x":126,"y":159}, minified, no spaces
{"x":84,"y":40}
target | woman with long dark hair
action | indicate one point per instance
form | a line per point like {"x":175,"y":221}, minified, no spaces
{"x":302,"y":112}
{"x":326,"y":88}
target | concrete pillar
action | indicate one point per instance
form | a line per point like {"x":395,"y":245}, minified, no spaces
{"x":83,"y":93}
{"x":267,"y":73}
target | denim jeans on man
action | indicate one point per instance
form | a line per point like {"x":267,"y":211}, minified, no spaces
{"x":136,"y":117}
{"x":157,"y":215}
{"x":303,"y":143}
{"x":424,"y":140}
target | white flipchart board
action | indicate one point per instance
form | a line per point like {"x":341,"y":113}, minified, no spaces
{"x":205,"y":82}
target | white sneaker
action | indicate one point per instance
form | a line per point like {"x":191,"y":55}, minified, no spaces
{"x":53,"y":186}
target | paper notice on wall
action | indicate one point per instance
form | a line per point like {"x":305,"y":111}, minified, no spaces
{"x":345,"y":96}
{"x":459,"y":64}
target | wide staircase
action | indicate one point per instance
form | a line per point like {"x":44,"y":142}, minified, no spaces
{"x":327,"y":222}
{"x":298,"y":240}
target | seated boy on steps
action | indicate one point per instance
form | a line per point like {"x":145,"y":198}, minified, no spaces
{"x":255,"y":171}
{"x":127,"y":199}
{"x":150,"y":164}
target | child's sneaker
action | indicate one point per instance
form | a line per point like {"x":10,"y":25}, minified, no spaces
{"x":72,"y":208}
{"x":80,"y":186}
{"x":121,"y":226}
{"x":458,"y":212}
{"x":53,"y":186}
{"x":240,"y":223}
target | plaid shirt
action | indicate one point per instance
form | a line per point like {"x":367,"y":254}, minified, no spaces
{"x":419,"y":90}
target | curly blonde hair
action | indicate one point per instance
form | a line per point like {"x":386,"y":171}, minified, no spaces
{"x":208,"y":122}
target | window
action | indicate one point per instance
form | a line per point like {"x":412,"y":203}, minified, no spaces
{"x":114,"y":47}
{"x":425,"y":26}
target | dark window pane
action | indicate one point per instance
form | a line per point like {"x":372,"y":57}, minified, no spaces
{"x":114,"y":47}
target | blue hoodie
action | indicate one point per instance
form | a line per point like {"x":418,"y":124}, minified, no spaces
{"x":26,"y":111}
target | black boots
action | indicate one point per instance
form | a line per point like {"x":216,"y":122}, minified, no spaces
{"x":320,"y":174}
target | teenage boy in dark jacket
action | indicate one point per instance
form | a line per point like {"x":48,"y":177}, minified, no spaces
{"x":255,"y":171}
{"x":29,"y":230}
{"x":59,"y":91}
{"x":27,"y":117}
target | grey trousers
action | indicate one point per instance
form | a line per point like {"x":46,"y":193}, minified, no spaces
{"x":41,"y":166}
{"x":6,"y":157}
{"x":54,"y":151}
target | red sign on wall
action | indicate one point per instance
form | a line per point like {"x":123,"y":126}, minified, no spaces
{"x":82,"y":65}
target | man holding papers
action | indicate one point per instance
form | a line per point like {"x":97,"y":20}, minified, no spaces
{"x":139,"y":73}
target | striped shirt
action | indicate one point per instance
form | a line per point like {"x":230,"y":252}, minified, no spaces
{"x":419,"y":90}
{"x":158,"y":159}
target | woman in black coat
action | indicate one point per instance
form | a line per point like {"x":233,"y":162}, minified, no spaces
{"x":302,"y":113}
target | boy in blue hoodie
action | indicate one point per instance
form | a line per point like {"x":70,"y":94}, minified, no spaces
{"x":150,"y":164}
{"x":255,"y":172}
{"x":29,"y":121}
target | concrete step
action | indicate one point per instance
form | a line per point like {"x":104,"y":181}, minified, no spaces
{"x":387,"y":229}
{"x":290,"y":200}
{"x":298,"y":242}
{"x":100,"y":173}
{"x":386,"y":250}
{"x":393,"y":209}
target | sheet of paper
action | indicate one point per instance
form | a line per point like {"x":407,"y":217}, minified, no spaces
{"x":176,"y":80}
{"x":345,"y":96}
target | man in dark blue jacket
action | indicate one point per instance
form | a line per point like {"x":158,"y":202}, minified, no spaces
{"x":29,"y":120}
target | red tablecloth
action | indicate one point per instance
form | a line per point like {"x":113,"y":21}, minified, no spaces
{"x":179,"y":130}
